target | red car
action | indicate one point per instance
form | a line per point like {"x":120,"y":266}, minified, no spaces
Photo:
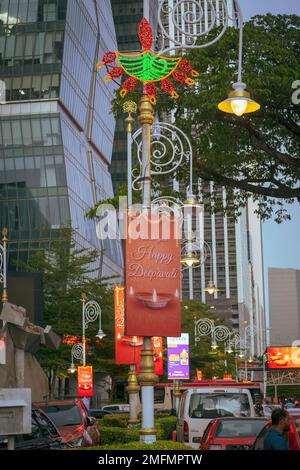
{"x":73,"y":421}
{"x":292,"y":436}
{"x":231,"y":433}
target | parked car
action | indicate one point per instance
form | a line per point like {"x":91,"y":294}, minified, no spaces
{"x":231,"y":433}
{"x":77,"y":427}
{"x":292,"y":436}
{"x":116,"y":409}
{"x":98,"y":413}
{"x":44,"y":435}
{"x":198,"y":406}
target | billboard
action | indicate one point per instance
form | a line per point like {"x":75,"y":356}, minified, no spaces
{"x":178,"y":357}
{"x":85,"y":381}
{"x":152,"y":273}
{"x":284,"y":358}
{"x":128,"y":348}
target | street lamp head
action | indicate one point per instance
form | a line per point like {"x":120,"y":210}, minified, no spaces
{"x":100,"y":334}
{"x":72,"y":369}
{"x":239,"y":101}
{"x":211,"y":288}
{"x":189,"y":259}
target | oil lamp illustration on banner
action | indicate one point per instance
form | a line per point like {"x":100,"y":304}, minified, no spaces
{"x":148,"y":67}
{"x":154,"y":300}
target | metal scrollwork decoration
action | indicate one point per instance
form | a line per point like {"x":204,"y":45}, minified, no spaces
{"x":221,"y":333}
{"x":77,"y":351}
{"x":170,"y":147}
{"x":203,"y":327}
{"x":92,"y":311}
{"x":192,"y":21}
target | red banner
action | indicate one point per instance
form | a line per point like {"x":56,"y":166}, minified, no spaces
{"x":85,"y":381}
{"x":128,"y":348}
{"x":153,"y":279}
{"x":284,"y":358}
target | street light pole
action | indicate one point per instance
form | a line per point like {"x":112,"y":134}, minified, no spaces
{"x":83,"y":300}
{"x":147,"y":377}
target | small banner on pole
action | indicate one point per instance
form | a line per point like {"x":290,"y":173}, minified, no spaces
{"x":178,"y":357}
{"x":85,"y":381}
{"x":128,"y":348}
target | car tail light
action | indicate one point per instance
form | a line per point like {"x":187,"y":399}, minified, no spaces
{"x":215,"y":447}
{"x":185,"y":432}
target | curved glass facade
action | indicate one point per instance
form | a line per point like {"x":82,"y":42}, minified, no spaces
{"x":56,"y":130}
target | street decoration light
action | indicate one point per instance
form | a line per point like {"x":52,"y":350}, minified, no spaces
{"x":91,"y":311}
{"x":147,"y":67}
{"x":239,"y":101}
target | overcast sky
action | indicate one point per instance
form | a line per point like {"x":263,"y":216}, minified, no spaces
{"x":257,"y":7}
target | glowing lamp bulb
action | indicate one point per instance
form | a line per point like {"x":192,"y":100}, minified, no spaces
{"x":238,"y":107}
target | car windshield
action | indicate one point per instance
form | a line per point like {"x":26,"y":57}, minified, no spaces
{"x":64,"y":415}
{"x":239,"y":428}
{"x":218,"y":405}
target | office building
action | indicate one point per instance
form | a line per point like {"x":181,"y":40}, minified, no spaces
{"x":56,"y":127}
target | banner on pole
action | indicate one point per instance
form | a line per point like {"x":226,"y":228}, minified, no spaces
{"x":128,"y":348}
{"x":85,"y":381}
{"x":153,"y":279}
{"x":178,"y":357}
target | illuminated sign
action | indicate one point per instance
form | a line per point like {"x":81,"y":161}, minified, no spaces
{"x":178,"y":357}
{"x":85,"y":381}
{"x":284,"y":358}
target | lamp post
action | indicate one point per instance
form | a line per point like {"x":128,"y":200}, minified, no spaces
{"x":3,"y":264}
{"x":90,"y":312}
{"x":146,"y":120}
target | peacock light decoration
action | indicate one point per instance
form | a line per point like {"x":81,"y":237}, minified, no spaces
{"x":148,"y":67}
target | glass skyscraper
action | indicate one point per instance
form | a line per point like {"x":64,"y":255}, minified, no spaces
{"x":56,"y":128}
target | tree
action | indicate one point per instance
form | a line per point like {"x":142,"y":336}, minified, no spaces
{"x":201,"y":355}
{"x":68,"y":271}
{"x":257,"y":154}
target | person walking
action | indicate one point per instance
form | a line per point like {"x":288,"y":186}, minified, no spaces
{"x":275,"y":439}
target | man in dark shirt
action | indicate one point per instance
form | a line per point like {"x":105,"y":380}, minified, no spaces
{"x":280,"y":423}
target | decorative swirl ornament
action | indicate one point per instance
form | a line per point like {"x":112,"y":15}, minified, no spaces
{"x":77,"y":351}
{"x":191,"y":22}
{"x":92,"y":311}
{"x":221,"y":333}
{"x":130,"y":107}
{"x":203,"y":327}
{"x":170,"y":147}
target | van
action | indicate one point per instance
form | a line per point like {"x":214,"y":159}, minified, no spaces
{"x":198,"y":406}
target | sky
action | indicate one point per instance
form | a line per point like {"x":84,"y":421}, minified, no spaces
{"x":281,"y":242}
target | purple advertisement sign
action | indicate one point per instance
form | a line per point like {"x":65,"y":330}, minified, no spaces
{"x":178,"y":357}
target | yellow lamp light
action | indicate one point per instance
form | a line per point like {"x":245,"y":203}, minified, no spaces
{"x":190,"y":260}
{"x":239,"y":101}
{"x":211,"y":288}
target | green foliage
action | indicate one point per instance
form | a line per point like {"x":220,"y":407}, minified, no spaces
{"x":114,"y":435}
{"x":68,"y":271}
{"x":165,"y":427}
{"x":201,"y":356}
{"x":158,"y":445}
{"x":114,"y":421}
